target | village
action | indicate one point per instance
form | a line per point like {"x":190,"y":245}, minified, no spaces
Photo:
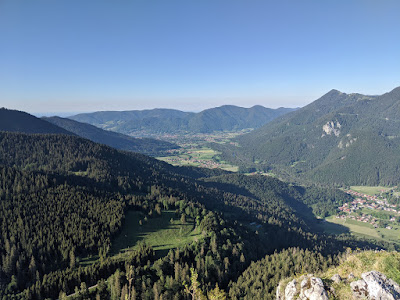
{"x":355,"y":209}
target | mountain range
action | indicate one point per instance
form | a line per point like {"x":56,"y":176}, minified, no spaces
{"x":114,"y":139}
{"x":18,"y":121}
{"x":156,"y":121}
{"x":65,"y":202}
{"x":341,"y":138}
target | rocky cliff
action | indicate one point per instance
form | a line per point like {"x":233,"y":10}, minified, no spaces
{"x":349,"y":280}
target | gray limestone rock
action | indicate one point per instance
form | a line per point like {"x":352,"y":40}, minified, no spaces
{"x":379,"y":287}
{"x":279,"y":296}
{"x":291,"y":290}
{"x":312,"y":288}
{"x":336,"y":278}
{"x":359,"y":289}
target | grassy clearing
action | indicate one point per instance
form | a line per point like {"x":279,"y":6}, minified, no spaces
{"x":356,"y":227}
{"x":162,"y":233}
{"x":332,"y":225}
{"x":199,"y":156}
{"x":369,"y":190}
{"x":387,"y":263}
{"x":158,"y":232}
{"x":391,"y":235}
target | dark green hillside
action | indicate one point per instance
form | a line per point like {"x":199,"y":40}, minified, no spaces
{"x":230,"y":117}
{"x":63,"y":198}
{"x":19,"y":121}
{"x":113,"y":139}
{"x":339,"y":139}
{"x":224,"y":118}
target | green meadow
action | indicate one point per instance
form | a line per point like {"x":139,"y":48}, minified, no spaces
{"x":369,"y":190}
{"x":332,"y":225}
{"x":162,"y":233}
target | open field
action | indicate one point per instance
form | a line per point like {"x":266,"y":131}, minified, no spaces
{"x":195,"y":150}
{"x":369,"y":190}
{"x":333,"y":225}
{"x":198,"y":156}
{"x":158,"y":232}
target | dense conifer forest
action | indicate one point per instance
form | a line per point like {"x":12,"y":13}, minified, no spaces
{"x":63,"y":197}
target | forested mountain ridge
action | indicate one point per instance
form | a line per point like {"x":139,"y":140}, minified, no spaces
{"x":339,"y":139}
{"x":48,"y":179}
{"x":142,"y":122}
{"x":19,"y":121}
{"x":113,"y":139}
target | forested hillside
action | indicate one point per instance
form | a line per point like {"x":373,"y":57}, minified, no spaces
{"x":64,"y":197}
{"x":19,"y":121}
{"x":156,"y":121}
{"x":113,"y":139}
{"x":341,"y":139}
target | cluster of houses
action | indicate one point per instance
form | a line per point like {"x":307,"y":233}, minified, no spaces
{"x":366,"y":201}
{"x":362,"y":218}
{"x":371,"y":202}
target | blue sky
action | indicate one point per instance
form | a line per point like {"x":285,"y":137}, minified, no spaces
{"x":73,"y":55}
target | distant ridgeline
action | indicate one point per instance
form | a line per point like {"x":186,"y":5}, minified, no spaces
{"x":116,"y":140}
{"x":18,"y":121}
{"x":343,"y":139}
{"x":156,"y":121}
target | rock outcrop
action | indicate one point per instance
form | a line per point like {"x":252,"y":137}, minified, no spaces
{"x":373,"y":286}
{"x":291,"y":290}
{"x":311,"y":288}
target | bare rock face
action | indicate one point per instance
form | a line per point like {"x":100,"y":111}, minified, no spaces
{"x":373,"y":286}
{"x":291,"y":290}
{"x":379,"y":287}
{"x":360,"y":289}
{"x":312,"y":288}
{"x":336,"y":278}
{"x":279,"y":296}
{"x":332,"y":128}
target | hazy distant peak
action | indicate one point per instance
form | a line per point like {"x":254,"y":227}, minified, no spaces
{"x":395,"y":91}
{"x":334,"y":92}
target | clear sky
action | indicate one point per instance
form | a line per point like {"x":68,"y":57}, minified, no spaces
{"x":88,"y":55}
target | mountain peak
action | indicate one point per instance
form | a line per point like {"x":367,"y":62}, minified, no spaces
{"x":334,"y":92}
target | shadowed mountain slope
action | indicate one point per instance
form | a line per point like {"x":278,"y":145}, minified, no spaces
{"x":19,"y":121}
{"x":113,"y":139}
